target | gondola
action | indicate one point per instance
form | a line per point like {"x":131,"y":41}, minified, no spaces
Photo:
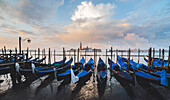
{"x":24,"y":70}
{"x":144,"y":68}
{"x":142,"y":76}
{"x":85,"y":74}
{"x":101,"y":72}
{"x":63,"y":67}
{"x":120,"y":74}
{"x":76,"y":68}
{"x":157,"y":65}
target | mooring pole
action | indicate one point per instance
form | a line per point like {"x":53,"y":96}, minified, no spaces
{"x":111,"y":53}
{"x":94,"y":67}
{"x":149,"y":59}
{"x":153,"y":56}
{"x":85,"y":56}
{"x":129,"y":59}
{"x":116,"y":55}
{"x":168,"y":60}
{"x":44,"y":55}
{"x":20,"y":45}
{"x":94,"y":58}
{"x":138,"y":55}
{"x":35,"y":53}
{"x":49,"y":57}
{"x":74,"y":56}
{"x":63,"y":52}
{"x":121,"y":53}
{"x":106,"y":56}
{"x":54,"y":55}
{"x":162,"y":57}
{"x":27,"y":54}
{"x":78,"y":50}
{"x":159,"y":55}
{"x":10,"y":55}
{"x":5,"y":53}
{"x":39,"y":53}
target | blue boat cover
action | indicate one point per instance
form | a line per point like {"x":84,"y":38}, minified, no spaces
{"x":67,"y":63}
{"x":82,"y":73}
{"x":154,"y":63}
{"x":159,"y":72}
{"x":139,"y":65}
{"x":113,"y":65}
{"x":146,"y":75}
{"x":66,"y":72}
{"x":69,"y":71}
{"x":123,"y":64}
{"x":164,"y":80}
{"x":89,"y":62}
{"x":101,"y":63}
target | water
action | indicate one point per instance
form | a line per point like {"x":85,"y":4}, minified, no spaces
{"x":47,"y":88}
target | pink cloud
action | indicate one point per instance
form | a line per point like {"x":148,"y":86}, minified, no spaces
{"x":129,"y":36}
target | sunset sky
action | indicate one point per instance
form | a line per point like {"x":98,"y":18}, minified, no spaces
{"x":121,"y":24}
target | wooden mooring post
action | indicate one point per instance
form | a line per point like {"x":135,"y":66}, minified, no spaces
{"x":78,"y":52}
{"x":129,"y":59}
{"x":159,"y":55}
{"x":168,"y":60}
{"x":106,"y":57}
{"x":85,"y":56}
{"x":153,"y":56}
{"x":74,"y":56}
{"x":49,"y":57}
{"x":111,"y":53}
{"x":116,"y":55}
{"x":162,"y":57}
{"x":121,"y":53}
{"x":54,"y":55}
{"x":35,"y":53}
{"x":10,"y":55}
{"x":38,"y":53}
{"x":138,"y":55}
{"x":149,"y":59}
{"x":64,"y":53}
{"x":27,"y":54}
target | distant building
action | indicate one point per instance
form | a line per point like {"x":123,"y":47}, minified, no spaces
{"x":87,"y":49}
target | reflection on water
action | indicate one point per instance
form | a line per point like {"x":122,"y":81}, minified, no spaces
{"x":47,"y":88}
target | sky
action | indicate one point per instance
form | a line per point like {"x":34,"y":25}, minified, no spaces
{"x":55,"y":24}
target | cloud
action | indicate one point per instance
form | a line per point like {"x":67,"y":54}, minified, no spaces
{"x":31,"y":11}
{"x":21,"y":32}
{"x":129,"y":36}
{"x":87,"y":11}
